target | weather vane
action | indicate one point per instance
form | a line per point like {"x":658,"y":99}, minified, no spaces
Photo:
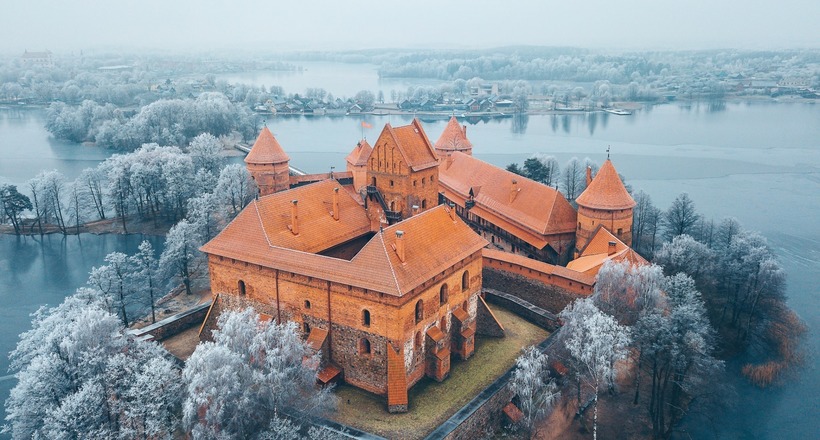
{"x":607,"y":151}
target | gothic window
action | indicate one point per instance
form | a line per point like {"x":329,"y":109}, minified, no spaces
{"x":307,"y":304}
{"x":443,"y":324}
{"x":366,"y":318}
{"x":364,"y":346}
{"x":391,"y":184}
{"x":241,"y":287}
{"x":442,"y":295}
{"x":418,"y":340}
{"x":465,"y":280}
{"x":424,"y":204}
{"x":419,"y":311}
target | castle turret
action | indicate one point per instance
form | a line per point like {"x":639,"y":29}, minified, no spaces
{"x":607,"y":203}
{"x":268,"y":164}
{"x":454,"y":138}
{"x":357,"y":164}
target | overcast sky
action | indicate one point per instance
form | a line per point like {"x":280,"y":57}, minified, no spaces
{"x":71,"y":25}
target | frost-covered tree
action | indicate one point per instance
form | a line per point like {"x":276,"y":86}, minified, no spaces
{"x":687,"y":255}
{"x":675,"y":346}
{"x":535,"y":389}
{"x":248,"y":374}
{"x":181,"y":257}
{"x":595,"y":342}
{"x":646,"y":224}
{"x":144,"y":275}
{"x":80,"y":376}
{"x":202,"y":213}
{"x":235,"y":189}
{"x":206,"y":152}
{"x":625,"y":291}
{"x":115,"y":280}
{"x":91,"y":182}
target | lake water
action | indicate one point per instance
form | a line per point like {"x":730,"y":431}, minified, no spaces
{"x":757,"y":162}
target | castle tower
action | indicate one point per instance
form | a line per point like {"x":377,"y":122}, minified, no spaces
{"x":606,"y":203}
{"x":268,"y":164}
{"x":454,"y":138}
{"x":402,"y":172}
{"x":357,"y":164}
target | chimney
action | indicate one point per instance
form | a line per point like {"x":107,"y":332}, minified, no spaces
{"x":611,"y":249}
{"x":464,"y":129}
{"x":294,"y":217}
{"x":589,"y":175}
{"x":400,"y":245}
{"x":414,"y":210}
{"x":514,"y":190}
{"x":452,"y":210}
{"x":335,"y":204}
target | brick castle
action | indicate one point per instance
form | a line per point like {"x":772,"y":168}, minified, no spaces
{"x":381,"y":265}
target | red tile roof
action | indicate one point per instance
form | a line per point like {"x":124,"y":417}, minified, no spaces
{"x":536,"y":210}
{"x":435,"y":334}
{"x":360,"y":154}
{"x":513,"y":413}
{"x":454,"y":138}
{"x":596,"y":252}
{"x":328,"y":373}
{"x":606,"y":191}
{"x":266,"y":150}
{"x":396,"y":377}
{"x":316,"y":338}
{"x":412,"y":143}
{"x":259,"y":235}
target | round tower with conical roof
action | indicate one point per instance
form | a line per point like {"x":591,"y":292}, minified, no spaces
{"x":268,"y":164}
{"x":454,"y":138}
{"x":604,"y":203}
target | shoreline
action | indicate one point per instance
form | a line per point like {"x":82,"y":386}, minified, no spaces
{"x":97,"y":227}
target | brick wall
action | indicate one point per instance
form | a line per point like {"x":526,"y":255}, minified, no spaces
{"x":549,"y":297}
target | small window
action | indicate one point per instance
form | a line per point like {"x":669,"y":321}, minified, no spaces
{"x":466,"y":305}
{"x":465,"y":280}
{"x":366,"y":318}
{"x":424,"y":204}
{"x":579,"y":225}
{"x":391,"y":183}
{"x":620,"y":231}
{"x":241,"y":287}
{"x":443,"y":294}
{"x":414,"y":183}
{"x":307,"y":304}
{"x":364,"y":346}
{"x":443,"y":324}
{"x":418,"y":340}
{"x":306,"y":328}
{"x":422,"y":181}
{"x":432,"y":179}
{"x":419,"y":311}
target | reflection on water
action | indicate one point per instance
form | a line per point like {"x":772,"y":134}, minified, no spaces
{"x":519,"y":123}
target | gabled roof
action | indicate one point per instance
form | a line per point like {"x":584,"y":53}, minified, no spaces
{"x":596,"y":252}
{"x":360,"y":154}
{"x":606,"y":191}
{"x":412,"y":143}
{"x":454,"y":137}
{"x":260,"y":235}
{"x":535,"y":211}
{"x":266,"y":150}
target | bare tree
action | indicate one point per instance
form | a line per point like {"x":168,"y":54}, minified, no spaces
{"x":572,"y":180}
{"x":681,"y":217}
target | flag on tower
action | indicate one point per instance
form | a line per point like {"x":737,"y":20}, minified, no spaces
{"x":366,"y":125}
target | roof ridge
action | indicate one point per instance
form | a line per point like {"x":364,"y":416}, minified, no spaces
{"x":261,"y":223}
{"x":389,"y":263}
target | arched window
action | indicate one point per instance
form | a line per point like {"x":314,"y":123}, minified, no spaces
{"x":465,"y":280}
{"x":466,"y":305}
{"x":424,"y":204}
{"x":366,"y":318}
{"x":443,"y":324}
{"x":241,"y":287}
{"x":418,"y":340}
{"x":442,"y":295}
{"x":373,"y":181}
{"x":392,"y":206}
{"x":307,"y":304}
{"x":419,"y":311}
{"x":364,"y":346}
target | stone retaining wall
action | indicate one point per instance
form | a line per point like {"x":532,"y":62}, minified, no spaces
{"x":174,"y":324}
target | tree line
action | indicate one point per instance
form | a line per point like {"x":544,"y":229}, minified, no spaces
{"x":154,"y":183}
{"x":165,"y":122}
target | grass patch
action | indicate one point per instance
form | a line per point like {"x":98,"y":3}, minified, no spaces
{"x":431,"y":403}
